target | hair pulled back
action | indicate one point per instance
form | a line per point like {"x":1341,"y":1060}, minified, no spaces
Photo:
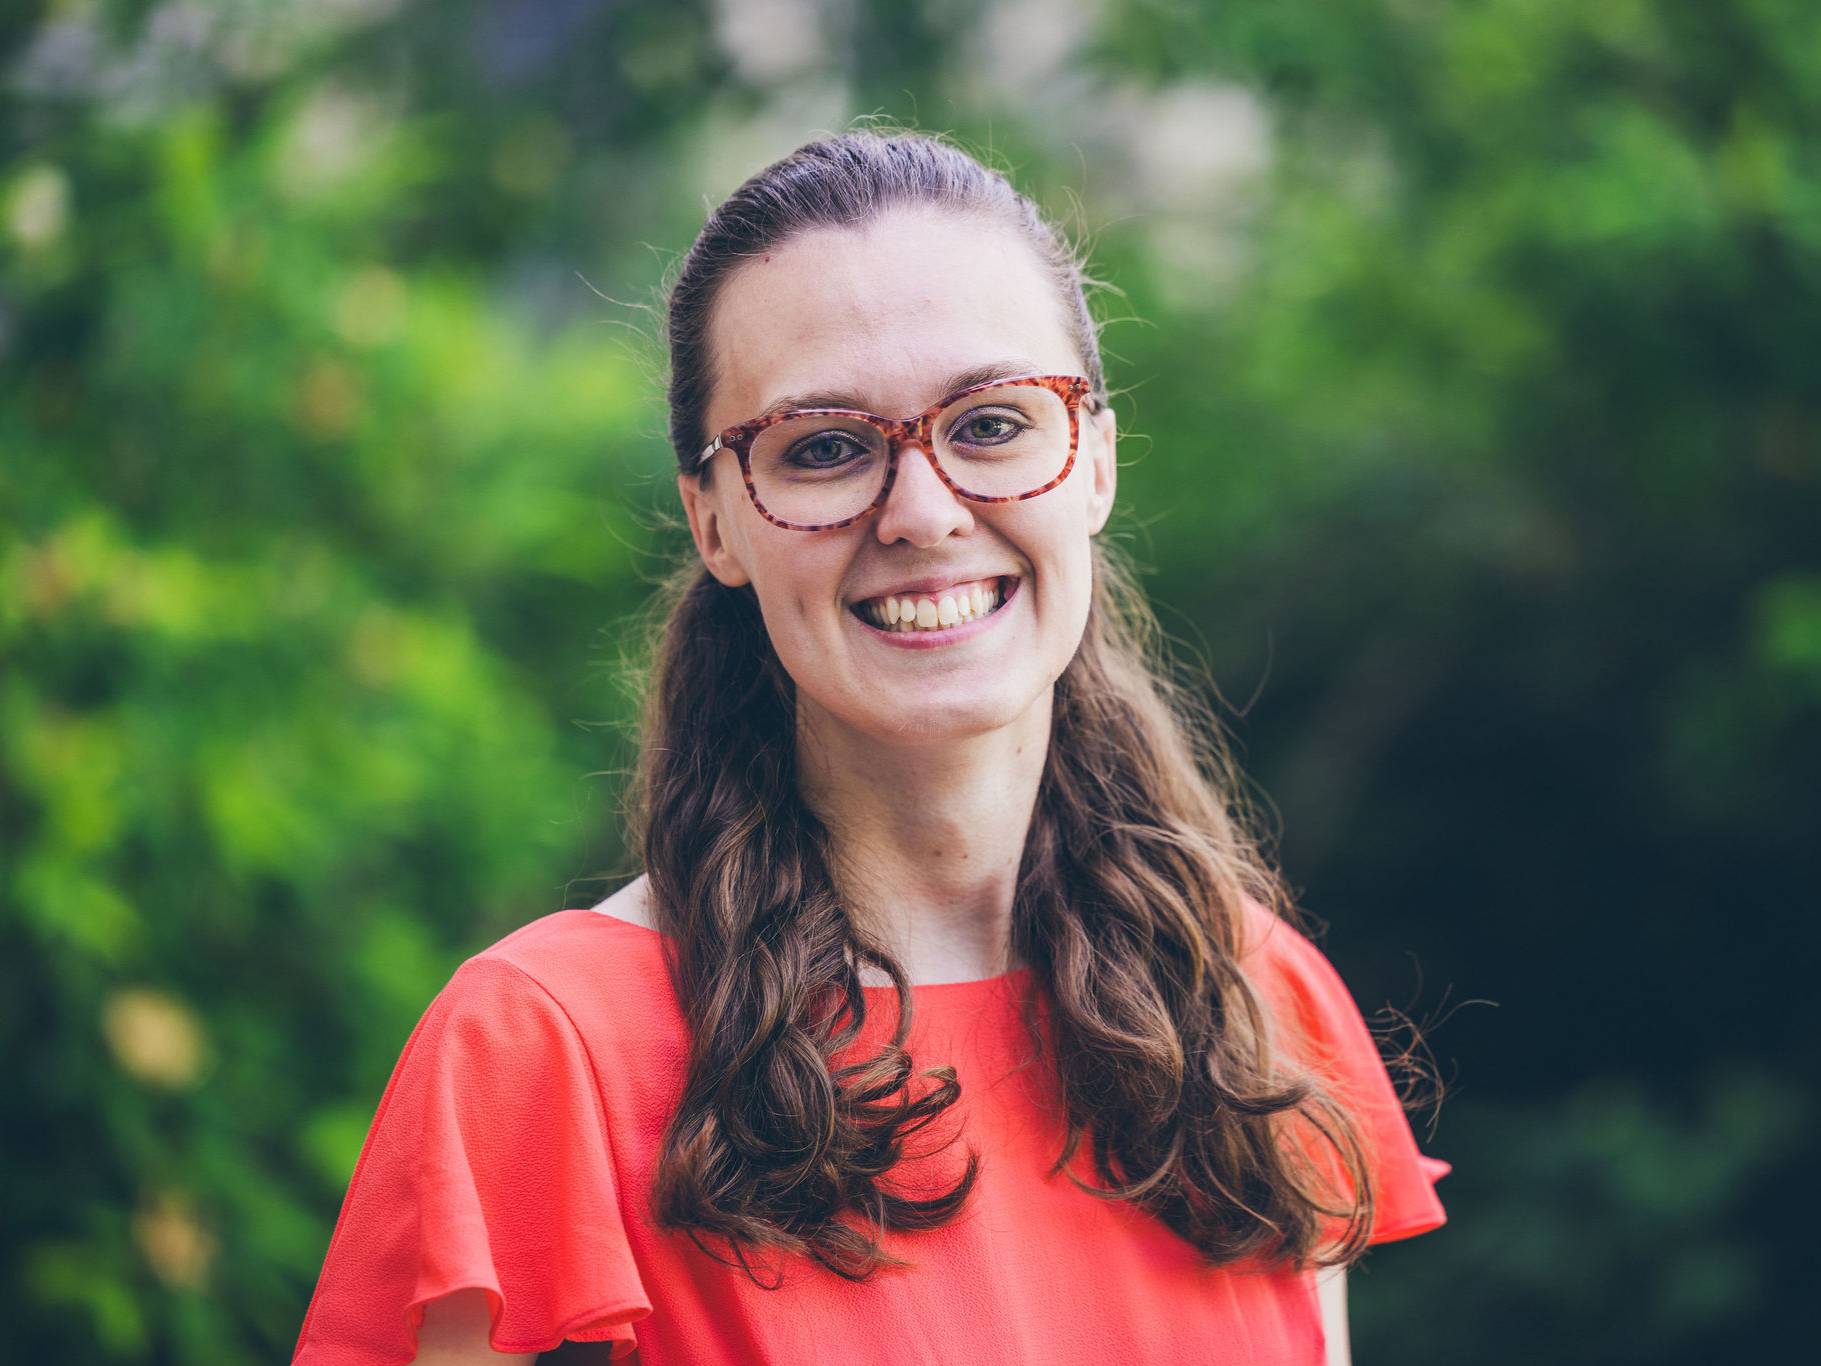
{"x":1128,"y":895}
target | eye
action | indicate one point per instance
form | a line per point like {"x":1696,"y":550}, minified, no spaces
{"x":824,"y":450}
{"x":986,"y":428}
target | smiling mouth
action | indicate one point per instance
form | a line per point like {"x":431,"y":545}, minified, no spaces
{"x":916,"y":612}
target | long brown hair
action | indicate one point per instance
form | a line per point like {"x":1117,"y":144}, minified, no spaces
{"x":1128,"y":899}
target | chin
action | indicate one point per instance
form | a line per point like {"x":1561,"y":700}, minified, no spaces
{"x":939,"y":716}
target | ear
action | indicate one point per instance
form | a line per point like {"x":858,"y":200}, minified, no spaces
{"x":703,"y":508}
{"x":1102,"y":429}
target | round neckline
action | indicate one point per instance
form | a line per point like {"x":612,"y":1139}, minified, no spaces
{"x":1009,"y":977}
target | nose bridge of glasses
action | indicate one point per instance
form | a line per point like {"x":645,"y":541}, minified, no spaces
{"x":914,"y":444}
{"x":919,"y":430}
{"x":917,"y":433}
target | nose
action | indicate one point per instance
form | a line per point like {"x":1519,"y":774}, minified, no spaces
{"x":920,"y":508}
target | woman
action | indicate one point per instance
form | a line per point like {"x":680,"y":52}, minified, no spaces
{"x":955,"y":1016}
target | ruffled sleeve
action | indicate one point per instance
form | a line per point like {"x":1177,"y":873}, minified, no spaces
{"x":1323,"y":1028}
{"x":487,"y":1165}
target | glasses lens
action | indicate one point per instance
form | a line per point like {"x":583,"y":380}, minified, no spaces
{"x":1004,"y":441}
{"x":1001,"y":442}
{"x":818,"y":469}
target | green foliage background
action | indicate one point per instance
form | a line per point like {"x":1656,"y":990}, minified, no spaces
{"x":1468,"y":365}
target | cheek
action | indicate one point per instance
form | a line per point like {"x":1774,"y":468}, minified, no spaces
{"x":1065,"y":567}
{"x":799,"y":582}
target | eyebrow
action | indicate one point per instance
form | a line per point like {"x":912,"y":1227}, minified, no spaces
{"x":960,"y":379}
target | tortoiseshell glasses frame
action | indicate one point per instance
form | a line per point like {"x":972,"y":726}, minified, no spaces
{"x":1073,"y":390}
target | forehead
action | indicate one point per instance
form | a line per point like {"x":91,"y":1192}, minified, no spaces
{"x":882,"y":313}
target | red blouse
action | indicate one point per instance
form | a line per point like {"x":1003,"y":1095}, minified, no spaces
{"x":515,"y":1144}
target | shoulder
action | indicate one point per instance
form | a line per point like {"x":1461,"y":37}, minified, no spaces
{"x":631,"y":903}
{"x":598,"y":965}
{"x":616,"y":932}
{"x":1272,"y":948}
{"x":1303,"y":992}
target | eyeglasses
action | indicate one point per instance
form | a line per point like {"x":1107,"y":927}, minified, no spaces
{"x":816,"y":469}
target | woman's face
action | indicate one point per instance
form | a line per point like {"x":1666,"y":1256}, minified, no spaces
{"x":886,"y":317}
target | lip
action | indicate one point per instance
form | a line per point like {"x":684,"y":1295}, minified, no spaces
{"x":948,"y":635}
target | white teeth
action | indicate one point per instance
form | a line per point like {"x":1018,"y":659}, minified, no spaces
{"x":926,"y":614}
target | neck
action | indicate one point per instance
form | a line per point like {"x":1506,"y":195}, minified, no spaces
{"x":928,"y":835}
